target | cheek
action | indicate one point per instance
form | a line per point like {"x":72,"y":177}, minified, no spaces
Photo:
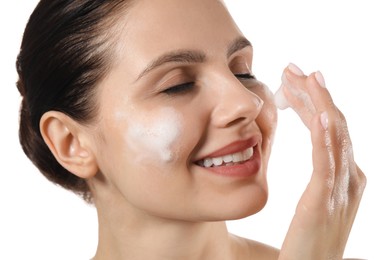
{"x":154,"y":137}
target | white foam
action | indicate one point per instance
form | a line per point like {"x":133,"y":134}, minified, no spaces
{"x":154,"y":135}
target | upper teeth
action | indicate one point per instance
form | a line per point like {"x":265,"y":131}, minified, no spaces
{"x":230,"y":158}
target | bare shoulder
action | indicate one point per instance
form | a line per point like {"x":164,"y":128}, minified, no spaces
{"x":248,"y":249}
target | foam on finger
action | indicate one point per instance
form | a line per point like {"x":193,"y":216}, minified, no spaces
{"x":281,"y":101}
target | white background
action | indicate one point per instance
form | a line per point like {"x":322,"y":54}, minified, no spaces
{"x":347,"y":40}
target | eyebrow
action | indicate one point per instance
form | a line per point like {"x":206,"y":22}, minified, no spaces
{"x":238,"y":44}
{"x":192,"y":56}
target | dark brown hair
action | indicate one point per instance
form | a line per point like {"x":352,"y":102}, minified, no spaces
{"x":66,"y":50}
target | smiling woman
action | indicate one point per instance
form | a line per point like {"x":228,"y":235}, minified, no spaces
{"x":150,"y":111}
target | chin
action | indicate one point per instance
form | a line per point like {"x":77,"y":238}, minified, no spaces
{"x":247,"y":209}
{"x":240,"y":206}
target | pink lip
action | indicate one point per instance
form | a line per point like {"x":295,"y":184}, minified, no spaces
{"x":235,"y":147}
{"x":242,"y":170}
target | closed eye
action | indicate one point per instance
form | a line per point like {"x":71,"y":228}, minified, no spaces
{"x":248,"y":80}
{"x":179,"y":89}
{"x":188,"y":86}
{"x":245,"y":76}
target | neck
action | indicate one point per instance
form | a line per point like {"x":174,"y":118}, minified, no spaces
{"x":125,"y":236}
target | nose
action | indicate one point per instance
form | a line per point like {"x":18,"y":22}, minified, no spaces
{"x":235,"y":104}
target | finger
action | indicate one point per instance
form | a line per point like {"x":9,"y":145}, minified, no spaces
{"x":294,"y":89}
{"x":323,"y":101}
{"x":362,"y":180}
{"x":300,"y":102}
{"x":319,"y":94}
{"x":323,"y":177}
{"x":308,"y":96}
{"x":280,"y":97}
{"x":349,"y":181}
{"x":338,"y":129}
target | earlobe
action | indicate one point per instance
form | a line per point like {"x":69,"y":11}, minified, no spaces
{"x":67,"y":142}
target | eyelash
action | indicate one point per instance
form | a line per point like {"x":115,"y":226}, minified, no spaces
{"x":245,"y":76}
{"x":180,"y":89}
{"x":188,"y":86}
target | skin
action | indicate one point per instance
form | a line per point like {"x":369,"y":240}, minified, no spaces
{"x":325,"y":213}
{"x":155,"y":207}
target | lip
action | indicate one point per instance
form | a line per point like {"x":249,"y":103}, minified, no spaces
{"x":243,"y":170}
{"x":234,"y":147}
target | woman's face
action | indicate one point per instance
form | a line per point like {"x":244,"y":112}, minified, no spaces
{"x":184,"y":132}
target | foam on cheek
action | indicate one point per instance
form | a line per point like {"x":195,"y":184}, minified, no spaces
{"x":154,"y":136}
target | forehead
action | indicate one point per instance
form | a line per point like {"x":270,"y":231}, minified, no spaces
{"x":156,"y":26}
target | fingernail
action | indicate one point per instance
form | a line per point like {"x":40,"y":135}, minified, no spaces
{"x":324,"y":120}
{"x":320,"y":79}
{"x":294,"y":69}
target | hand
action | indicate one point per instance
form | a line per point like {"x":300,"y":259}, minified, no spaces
{"x":326,"y":211}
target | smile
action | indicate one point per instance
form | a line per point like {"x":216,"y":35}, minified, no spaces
{"x":239,"y":159}
{"x":227,"y":160}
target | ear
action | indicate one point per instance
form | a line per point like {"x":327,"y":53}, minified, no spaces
{"x":68,"y":142}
